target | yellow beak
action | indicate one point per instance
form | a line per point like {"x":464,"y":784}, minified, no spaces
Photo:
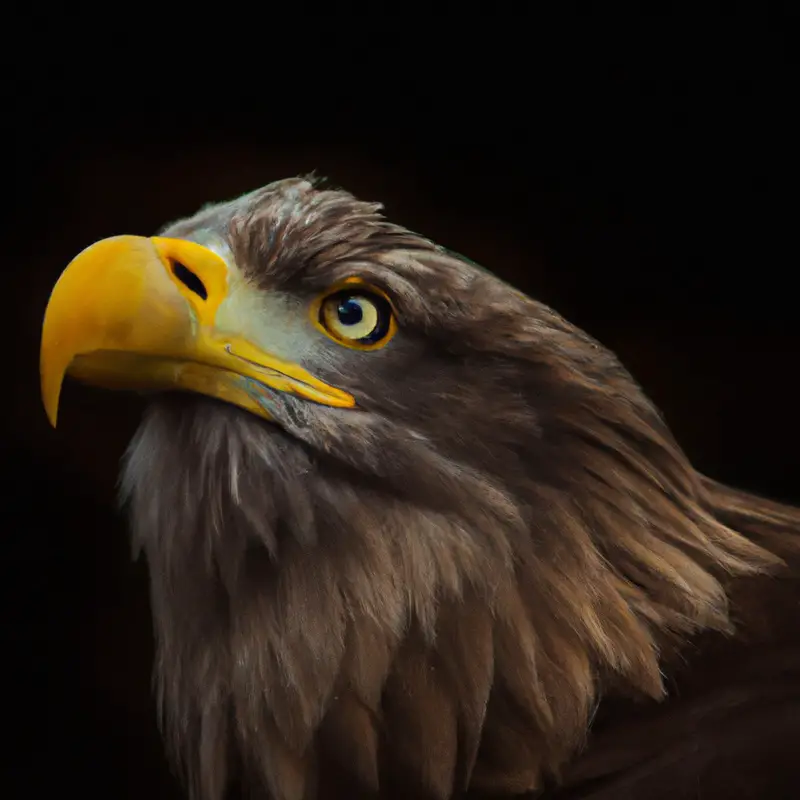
{"x":138,"y":313}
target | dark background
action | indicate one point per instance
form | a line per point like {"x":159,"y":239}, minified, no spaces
{"x":639,"y":175}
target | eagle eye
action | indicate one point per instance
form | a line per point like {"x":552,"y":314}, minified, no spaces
{"x":357,"y":317}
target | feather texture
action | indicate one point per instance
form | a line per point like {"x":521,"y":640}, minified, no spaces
{"x":436,"y":595}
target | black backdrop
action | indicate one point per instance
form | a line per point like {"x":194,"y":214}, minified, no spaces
{"x":638,"y":175}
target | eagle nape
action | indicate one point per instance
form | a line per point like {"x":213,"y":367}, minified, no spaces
{"x":434,"y":541}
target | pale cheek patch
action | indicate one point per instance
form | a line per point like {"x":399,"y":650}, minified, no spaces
{"x":274,"y":322}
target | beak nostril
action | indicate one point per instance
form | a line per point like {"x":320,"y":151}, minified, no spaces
{"x":189,"y":279}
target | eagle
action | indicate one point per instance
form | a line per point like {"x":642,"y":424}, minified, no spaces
{"x":412,"y":534}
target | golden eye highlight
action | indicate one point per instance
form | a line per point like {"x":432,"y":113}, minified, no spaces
{"x":356,"y":316}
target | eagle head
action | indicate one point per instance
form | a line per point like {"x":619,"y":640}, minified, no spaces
{"x":404,"y":524}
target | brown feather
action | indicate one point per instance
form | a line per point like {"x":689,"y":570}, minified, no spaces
{"x":501,"y":553}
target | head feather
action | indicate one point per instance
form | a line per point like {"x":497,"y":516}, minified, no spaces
{"x":431,"y":593}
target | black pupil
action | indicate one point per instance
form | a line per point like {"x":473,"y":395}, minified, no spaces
{"x":189,"y":279}
{"x":350,"y":312}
